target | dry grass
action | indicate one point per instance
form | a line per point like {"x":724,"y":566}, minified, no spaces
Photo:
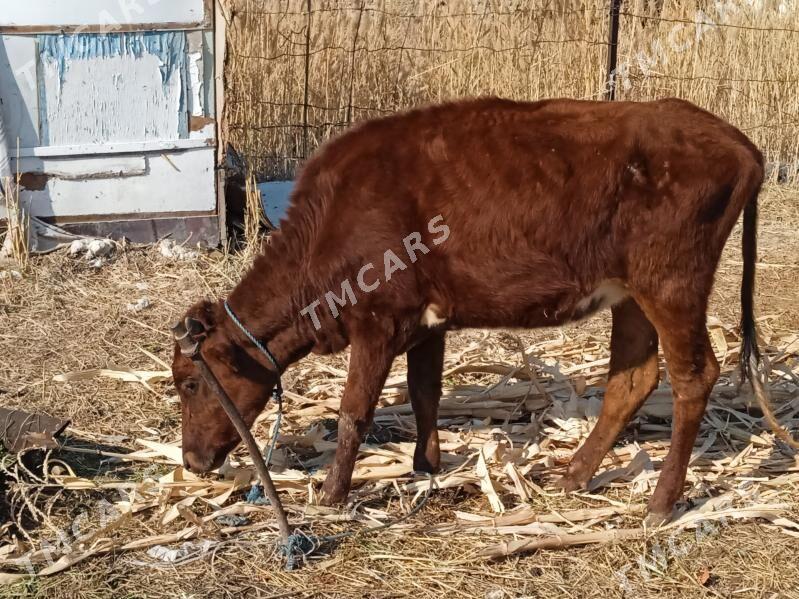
{"x":736,"y":59}
{"x":18,"y":223}
{"x":66,"y":316}
{"x":373,"y":57}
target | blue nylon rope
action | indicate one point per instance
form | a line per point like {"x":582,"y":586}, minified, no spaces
{"x":299,"y":544}
{"x":256,"y":493}
{"x":255,"y":341}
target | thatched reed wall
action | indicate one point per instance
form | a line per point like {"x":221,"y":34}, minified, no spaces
{"x":296,"y":77}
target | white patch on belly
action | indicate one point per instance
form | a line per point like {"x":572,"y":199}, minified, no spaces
{"x":609,"y":293}
{"x":430,"y":317}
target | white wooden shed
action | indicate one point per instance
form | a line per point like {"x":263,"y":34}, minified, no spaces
{"x":109,"y":108}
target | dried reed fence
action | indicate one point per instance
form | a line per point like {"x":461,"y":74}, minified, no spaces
{"x":740,"y":62}
{"x":300,"y":71}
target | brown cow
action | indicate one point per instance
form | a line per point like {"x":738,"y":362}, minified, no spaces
{"x":491,"y":213}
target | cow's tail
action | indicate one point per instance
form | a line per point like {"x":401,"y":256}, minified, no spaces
{"x":752,"y":366}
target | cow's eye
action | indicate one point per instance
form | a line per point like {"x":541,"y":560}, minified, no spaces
{"x":189,"y":386}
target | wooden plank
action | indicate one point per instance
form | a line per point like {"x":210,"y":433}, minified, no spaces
{"x":184,"y":229}
{"x":134,"y":147}
{"x":219,"y":50}
{"x":19,"y":102}
{"x":195,"y":69}
{"x":72,"y":29}
{"x":102,"y":16}
{"x":174,"y":182}
{"x":209,"y":79}
{"x":83,"y":168}
{"x":66,"y":221}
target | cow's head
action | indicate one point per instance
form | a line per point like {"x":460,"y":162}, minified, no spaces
{"x":208,"y":434}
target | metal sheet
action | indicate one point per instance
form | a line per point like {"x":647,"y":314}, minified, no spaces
{"x":21,"y":430}
{"x":275,"y":198}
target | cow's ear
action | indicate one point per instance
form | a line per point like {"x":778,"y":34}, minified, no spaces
{"x":200,"y":320}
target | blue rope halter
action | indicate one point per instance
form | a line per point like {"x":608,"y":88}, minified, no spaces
{"x":256,"y":494}
{"x":255,"y":342}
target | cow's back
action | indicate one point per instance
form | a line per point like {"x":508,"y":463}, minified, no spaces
{"x":544,"y":201}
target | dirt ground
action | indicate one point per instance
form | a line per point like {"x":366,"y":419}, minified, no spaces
{"x":66,"y":315}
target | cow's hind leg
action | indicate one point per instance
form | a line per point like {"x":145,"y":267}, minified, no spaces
{"x":633,"y":376}
{"x":693,"y":370}
{"x":370,"y":361}
{"x":425,"y":365}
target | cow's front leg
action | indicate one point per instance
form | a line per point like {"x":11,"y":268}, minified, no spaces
{"x":370,"y":361}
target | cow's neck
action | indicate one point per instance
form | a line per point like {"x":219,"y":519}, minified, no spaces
{"x":286,"y":346}
{"x":265,"y":302}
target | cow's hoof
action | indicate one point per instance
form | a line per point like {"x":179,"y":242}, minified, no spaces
{"x":422,"y":474}
{"x":657,"y":519}
{"x":571,"y":483}
{"x":424,"y":467}
{"x":332,"y":499}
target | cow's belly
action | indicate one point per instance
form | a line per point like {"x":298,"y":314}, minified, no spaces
{"x":512,"y":309}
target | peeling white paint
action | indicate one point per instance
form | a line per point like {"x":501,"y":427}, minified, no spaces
{"x":206,"y":133}
{"x":196,"y":83}
{"x":129,"y":87}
